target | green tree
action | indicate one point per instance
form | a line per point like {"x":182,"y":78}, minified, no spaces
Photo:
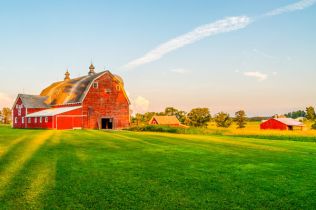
{"x":240,"y":119}
{"x":170,"y":111}
{"x":139,"y":119}
{"x":148,"y":116}
{"x":199,"y":117}
{"x":223,"y":119}
{"x":296,"y":114}
{"x":6,"y":114}
{"x":310,"y":113}
{"x":181,"y":115}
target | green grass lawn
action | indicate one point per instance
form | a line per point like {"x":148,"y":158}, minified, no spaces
{"x":43,"y":169}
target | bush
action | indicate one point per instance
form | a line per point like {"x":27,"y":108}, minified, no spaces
{"x":314,"y":126}
{"x":169,"y":129}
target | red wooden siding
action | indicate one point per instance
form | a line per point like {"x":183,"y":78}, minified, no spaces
{"x":38,"y":124}
{"x":273,"y":124}
{"x":106,"y":101}
{"x":68,"y":120}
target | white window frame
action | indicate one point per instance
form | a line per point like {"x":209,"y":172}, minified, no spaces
{"x":28,"y":120}
{"x":41,"y":120}
{"x":22,"y":120}
{"x":16,"y":120}
{"x":35,"y":119}
{"x":46,"y":119}
{"x":95,"y":85}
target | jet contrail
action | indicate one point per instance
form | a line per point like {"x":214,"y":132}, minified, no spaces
{"x":220,"y":26}
{"x":291,"y":7}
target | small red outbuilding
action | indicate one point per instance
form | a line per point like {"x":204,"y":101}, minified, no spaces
{"x":281,"y":124}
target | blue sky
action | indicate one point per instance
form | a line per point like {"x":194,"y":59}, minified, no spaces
{"x":266,"y":66}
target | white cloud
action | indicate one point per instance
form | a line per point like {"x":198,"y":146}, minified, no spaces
{"x":5,"y":100}
{"x":140,"y":105}
{"x":220,"y":26}
{"x":274,"y":73}
{"x":300,"y":5}
{"x":180,"y":71}
{"x":255,"y":74}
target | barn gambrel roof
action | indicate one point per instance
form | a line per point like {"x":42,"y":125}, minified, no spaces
{"x":74,"y":90}
{"x":69,"y":91}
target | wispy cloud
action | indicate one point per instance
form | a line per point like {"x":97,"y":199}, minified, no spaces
{"x":255,"y":74}
{"x":220,"y":26}
{"x":292,"y":7}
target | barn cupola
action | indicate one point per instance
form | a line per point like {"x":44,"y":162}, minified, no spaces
{"x":91,"y":68}
{"x":67,"y":75}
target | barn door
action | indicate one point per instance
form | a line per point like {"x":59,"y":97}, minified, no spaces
{"x":107,"y":123}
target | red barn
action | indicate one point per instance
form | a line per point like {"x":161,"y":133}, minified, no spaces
{"x":94,"y":101}
{"x":281,"y":124}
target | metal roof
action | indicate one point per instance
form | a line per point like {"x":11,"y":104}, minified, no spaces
{"x":33,"y":101}
{"x":289,"y":121}
{"x":69,"y":91}
{"x":53,"y":112}
{"x":166,"y":120}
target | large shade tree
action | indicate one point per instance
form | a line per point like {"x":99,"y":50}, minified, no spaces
{"x":199,"y":117}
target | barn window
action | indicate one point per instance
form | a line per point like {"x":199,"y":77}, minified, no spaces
{"x":35,"y":120}
{"x":95,"y":85}
{"x":108,"y":91}
{"x":118,"y":88}
{"x":40,"y":119}
{"x":15,"y":120}
{"x":22,"y":120}
{"x":46,"y":119}
{"x":29,"y":120}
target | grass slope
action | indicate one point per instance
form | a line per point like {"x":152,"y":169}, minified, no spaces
{"x":119,"y":170}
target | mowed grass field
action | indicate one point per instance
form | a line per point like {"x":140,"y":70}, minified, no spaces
{"x":47,"y":169}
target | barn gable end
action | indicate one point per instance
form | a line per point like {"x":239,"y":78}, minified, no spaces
{"x":106,"y":99}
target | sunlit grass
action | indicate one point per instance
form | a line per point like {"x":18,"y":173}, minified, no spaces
{"x":25,"y":153}
{"x":150,"y":170}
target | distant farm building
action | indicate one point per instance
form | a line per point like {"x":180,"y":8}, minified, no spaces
{"x":281,"y":124}
{"x":165,"y":120}
{"x":94,"y":101}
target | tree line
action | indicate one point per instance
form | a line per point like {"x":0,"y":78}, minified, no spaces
{"x":197,"y":117}
{"x":200,"y":117}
